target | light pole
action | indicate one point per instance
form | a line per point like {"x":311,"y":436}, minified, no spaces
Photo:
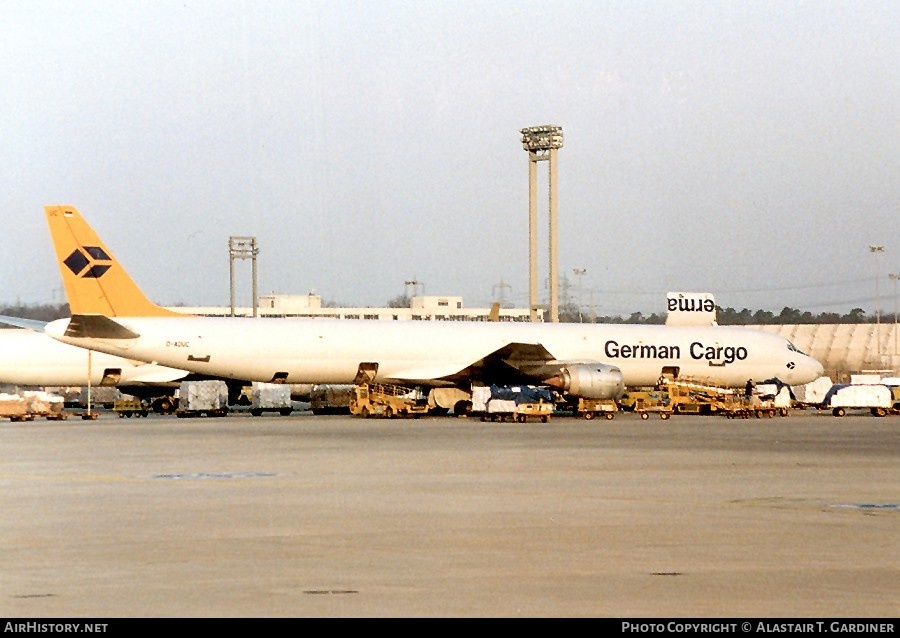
{"x":876,"y":250}
{"x":542,"y":143}
{"x":243,"y":248}
{"x":501,"y":286}
{"x":416,"y":287}
{"x":894,"y":277}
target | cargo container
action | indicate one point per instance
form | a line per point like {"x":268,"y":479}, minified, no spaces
{"x":270,"y":397}
{"x":875,"y":397}
{"x":512,"y":403}
{"x":202,"y":398}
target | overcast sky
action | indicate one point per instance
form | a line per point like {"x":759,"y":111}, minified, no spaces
{"x":747,"y":149}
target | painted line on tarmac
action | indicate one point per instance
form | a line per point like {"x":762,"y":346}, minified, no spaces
{"x":213,"y":475}
{"x":879,"y":507}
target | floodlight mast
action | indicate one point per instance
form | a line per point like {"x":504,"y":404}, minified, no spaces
{"x":542,"y":143}
{"x":243,"y":248}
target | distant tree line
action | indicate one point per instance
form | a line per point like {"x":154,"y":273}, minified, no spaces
{"x":744,"y":317}
{"x":732,"y":317}
{"x":38,"y":312}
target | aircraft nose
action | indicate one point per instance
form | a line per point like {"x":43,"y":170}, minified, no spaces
{"x":818,"y":368}
{"x":808,"y":370}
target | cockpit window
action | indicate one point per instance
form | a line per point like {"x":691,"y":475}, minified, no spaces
{"x":794,"y":348}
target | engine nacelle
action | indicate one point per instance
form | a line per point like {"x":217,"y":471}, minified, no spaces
{"x":592,"y":381}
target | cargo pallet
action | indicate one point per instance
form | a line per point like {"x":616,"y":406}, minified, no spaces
{"x":589,"y":408}
{"x":522,"y":413}
{"x":644,"y":407}
{"x":746,"y":408}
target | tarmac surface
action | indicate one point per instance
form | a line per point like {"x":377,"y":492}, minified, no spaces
{"x":329,"y":516}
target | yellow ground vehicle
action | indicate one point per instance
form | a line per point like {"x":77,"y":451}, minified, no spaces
{"x":590,"y":408}
{"x":740,"y":407}
{"x":659,"y":404}
{"x":646,"y":400}
{"x":690,"y":397}
{"x":127,"y":408}
{"x":31,"y":404}
{"x":628,"y":400}
{"x":386,"y":400}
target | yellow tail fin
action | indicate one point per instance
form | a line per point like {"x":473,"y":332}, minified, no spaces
{"x":95,"y":282}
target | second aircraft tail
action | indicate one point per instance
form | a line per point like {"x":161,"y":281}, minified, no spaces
{"x":95,"y":282}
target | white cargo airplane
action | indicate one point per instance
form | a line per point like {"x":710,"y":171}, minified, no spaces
{"x":110,"y":314}
{"x":33,"y":359}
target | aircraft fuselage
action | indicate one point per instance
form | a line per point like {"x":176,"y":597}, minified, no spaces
{"x":330,"y":351}
{"x":32,"y":358}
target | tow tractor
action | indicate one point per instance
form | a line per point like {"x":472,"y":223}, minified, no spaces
{"x":387,"y":400}
{"x":127,"y":408}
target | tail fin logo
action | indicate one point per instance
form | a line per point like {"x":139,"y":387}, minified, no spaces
{"x":88,"y":262}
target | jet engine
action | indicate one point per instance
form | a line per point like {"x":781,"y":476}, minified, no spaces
{"x":590,"y":381}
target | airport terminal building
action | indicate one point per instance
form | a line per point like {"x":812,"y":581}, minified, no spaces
{"x":421,"y":308}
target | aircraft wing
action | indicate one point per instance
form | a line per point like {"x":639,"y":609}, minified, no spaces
{"x":525,"y":364}
{"x":153,"y":373}
{"x":514,"y":363}
{"x":19,"y":322}
{"x":96,"y":326}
